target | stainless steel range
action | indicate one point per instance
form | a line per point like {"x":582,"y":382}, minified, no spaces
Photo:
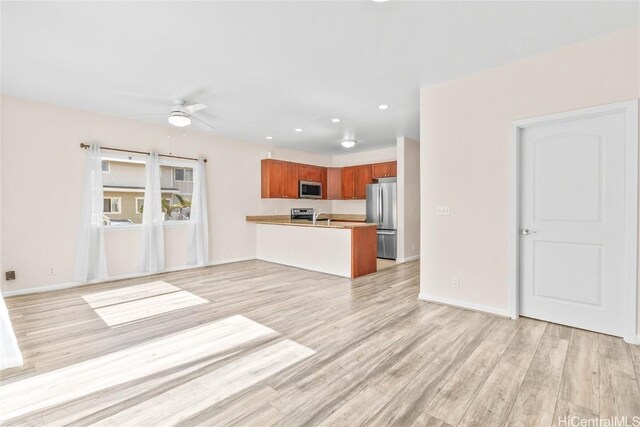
{"x":302,"y":213}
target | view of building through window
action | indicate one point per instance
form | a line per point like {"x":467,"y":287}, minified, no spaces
{"x":123,"y":184}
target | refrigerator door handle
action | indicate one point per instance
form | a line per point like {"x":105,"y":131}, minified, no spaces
{"x":378,"y":205}
{"x":381,"y":205}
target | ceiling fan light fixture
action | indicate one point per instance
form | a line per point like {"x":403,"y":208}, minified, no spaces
{"x":348,"y":143}
{"x":179,"y":119}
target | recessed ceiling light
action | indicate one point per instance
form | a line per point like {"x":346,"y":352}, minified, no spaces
{"x":335,"y":120}
{"x":380,"y":1}
{"x":268,"y":137}
{"x":348,"y":143}
{"x":298,"y":130}
{"x":383,"y":107}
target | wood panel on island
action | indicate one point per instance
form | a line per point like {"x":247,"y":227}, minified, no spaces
{"x":280,"y":179}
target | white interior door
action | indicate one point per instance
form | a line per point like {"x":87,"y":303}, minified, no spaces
{"x":572,"y":222}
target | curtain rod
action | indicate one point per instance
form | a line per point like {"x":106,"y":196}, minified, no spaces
{"x":122,"y":150}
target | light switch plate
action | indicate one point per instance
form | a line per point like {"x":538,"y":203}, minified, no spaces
{"x":443,"y":210}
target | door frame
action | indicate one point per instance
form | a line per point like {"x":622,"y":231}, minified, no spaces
{"x":630,"y":109}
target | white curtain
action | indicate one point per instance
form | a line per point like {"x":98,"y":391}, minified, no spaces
{"x":10,"y":356}
{"x":198,"y":244}
{"x":91,"y":259}
{"x":152,"y":247}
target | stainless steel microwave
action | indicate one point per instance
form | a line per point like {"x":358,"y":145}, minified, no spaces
{"x":310,"y":190}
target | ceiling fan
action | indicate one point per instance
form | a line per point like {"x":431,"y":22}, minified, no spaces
{"x":181,"y":114}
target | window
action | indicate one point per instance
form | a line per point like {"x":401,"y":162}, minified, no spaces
{"x":183,"y":174}
{"x":106,"y":166}
{"x":122,"y":187}
{"x":176,"y":208}
{"x":139,"y":205}
{"x":113,"y":205}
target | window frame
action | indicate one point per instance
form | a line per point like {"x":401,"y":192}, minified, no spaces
{"x":137,"y":209}
{"x":184,"y":174}
{"x":108,"y":163}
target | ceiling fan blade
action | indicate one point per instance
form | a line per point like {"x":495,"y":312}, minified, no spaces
{"x":194,"y":107}
{"x":145,"y":114}
{"x":204,"y":123}
{"x":134,"y":98}
{"x":198,"y":93}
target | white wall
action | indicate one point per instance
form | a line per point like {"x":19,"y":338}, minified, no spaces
{"x":408,"y":199}
{"x":465,"y":136}
{"x":41,"y":181}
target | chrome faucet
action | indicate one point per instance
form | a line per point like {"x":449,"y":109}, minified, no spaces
{"x":315,"y":216}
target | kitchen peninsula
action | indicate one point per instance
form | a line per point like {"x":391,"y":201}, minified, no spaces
{"x":346,"y":249}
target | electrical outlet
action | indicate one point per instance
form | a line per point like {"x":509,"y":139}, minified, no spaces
{"x":52,"y":271}
{"x":455,"y":282}
{"x":443,"y":210}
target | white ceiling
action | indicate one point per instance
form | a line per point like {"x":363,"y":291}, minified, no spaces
{"x":265,"y":68}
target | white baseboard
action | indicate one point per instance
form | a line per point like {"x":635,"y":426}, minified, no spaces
{"x":463,"y":304}
{"x":631,"y":341}
{"x":304,"y":267}
{"x":67,"y":285}
{"x":407,"y":259}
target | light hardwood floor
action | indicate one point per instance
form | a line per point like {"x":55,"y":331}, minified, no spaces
{"x":281,"y":346}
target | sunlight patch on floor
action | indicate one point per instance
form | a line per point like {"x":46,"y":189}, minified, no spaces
{"x":119,"y":314}
{"x":133,"y":303}
{"x":129,"y":293}
{"x":183,"y":402}
{"x":66,"y":384}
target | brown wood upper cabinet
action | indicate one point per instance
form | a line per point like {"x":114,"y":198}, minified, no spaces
{"x":348,"y":183}
{"x":355,"y":180}
{"x":309,"y":173}
{"x":363,"y":178}
{"x":334,"y":183}
{"x":279,"y":179}
{"x":384,"y":170}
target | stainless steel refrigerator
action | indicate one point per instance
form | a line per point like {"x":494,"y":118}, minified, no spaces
{"x":382,"y":210}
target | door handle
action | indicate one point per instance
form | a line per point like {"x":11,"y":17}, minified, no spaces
{"x":526,"y":232}
{"x":381,"y":206}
